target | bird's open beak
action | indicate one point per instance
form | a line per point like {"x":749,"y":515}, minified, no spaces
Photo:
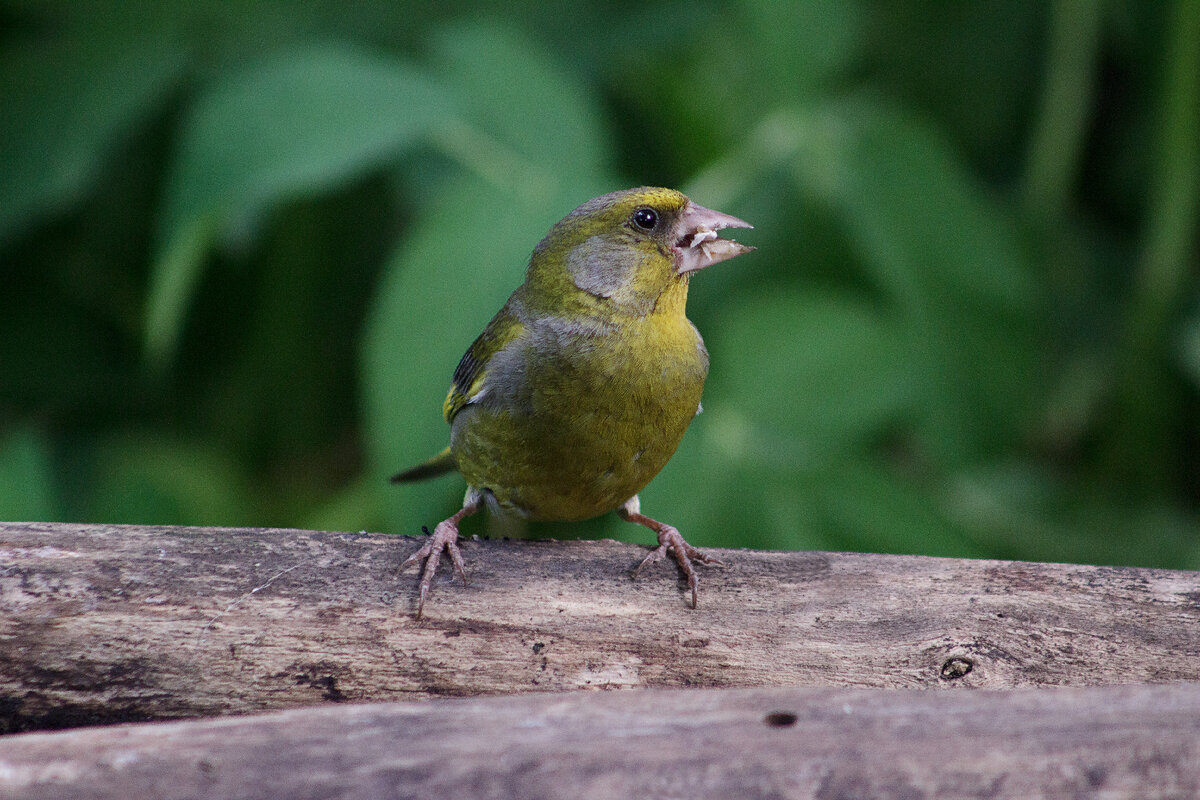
{"x":696,"y":243}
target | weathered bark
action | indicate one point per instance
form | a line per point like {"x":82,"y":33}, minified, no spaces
{"x":1133,"y":741}
{"x":102,"y":623}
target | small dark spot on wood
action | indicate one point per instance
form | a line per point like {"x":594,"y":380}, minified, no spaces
{"x":695,"y":643}
{"x":332,"y":692}
{"x":538,"y":647}
{"x":451,"y":634}
{"x":205,"y":766}
{"x":780,"y":719}
{"x":956,"y":668}
{"x":320,"y":676}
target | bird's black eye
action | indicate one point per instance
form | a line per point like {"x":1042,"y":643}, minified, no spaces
{"x":645,"y":218}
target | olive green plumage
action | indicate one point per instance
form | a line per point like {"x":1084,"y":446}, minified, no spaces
{"x":579,"y":390}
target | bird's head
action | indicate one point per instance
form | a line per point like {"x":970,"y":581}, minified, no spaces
{"x":630,"y":247}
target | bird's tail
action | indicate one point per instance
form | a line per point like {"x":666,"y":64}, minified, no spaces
{"x":440,"y":464}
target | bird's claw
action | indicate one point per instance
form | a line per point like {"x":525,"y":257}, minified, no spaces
{"x":669,"y":539}
{"x":444,"y":537}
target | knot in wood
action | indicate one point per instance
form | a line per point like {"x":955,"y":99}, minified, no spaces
{"x":955,"y":668}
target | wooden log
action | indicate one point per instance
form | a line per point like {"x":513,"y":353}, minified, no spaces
{"x":1132,"y":741}
{"x":103,"y":623}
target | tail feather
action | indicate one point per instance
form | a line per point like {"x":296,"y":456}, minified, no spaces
{"x":440,"y":464}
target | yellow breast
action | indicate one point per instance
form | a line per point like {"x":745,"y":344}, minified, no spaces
{"x":585,"y":416}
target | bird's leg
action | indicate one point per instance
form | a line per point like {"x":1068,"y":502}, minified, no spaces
{"x":444,"y":537}
{"x":669,"y":538}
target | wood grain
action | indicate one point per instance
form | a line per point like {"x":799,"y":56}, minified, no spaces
{"x":1107,"y":742}
{"x":102,"y":623}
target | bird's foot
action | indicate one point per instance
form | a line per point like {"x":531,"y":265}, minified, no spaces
{"x":669,"y":539}
{"x":444,"y":537}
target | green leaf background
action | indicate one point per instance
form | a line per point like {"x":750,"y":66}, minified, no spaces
{"x":243,"y":246}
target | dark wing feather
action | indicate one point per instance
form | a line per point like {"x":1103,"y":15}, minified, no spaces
{"x":471,"y":373}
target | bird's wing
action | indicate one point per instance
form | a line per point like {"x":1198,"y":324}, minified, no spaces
{"x":471,"y":374}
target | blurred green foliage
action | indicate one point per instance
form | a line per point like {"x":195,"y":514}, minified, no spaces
{"x":245,"y":243}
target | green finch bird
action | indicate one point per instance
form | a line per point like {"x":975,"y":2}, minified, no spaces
{"x":579,"y":390}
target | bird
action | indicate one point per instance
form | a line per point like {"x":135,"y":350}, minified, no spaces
{"x":580,"y":388}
